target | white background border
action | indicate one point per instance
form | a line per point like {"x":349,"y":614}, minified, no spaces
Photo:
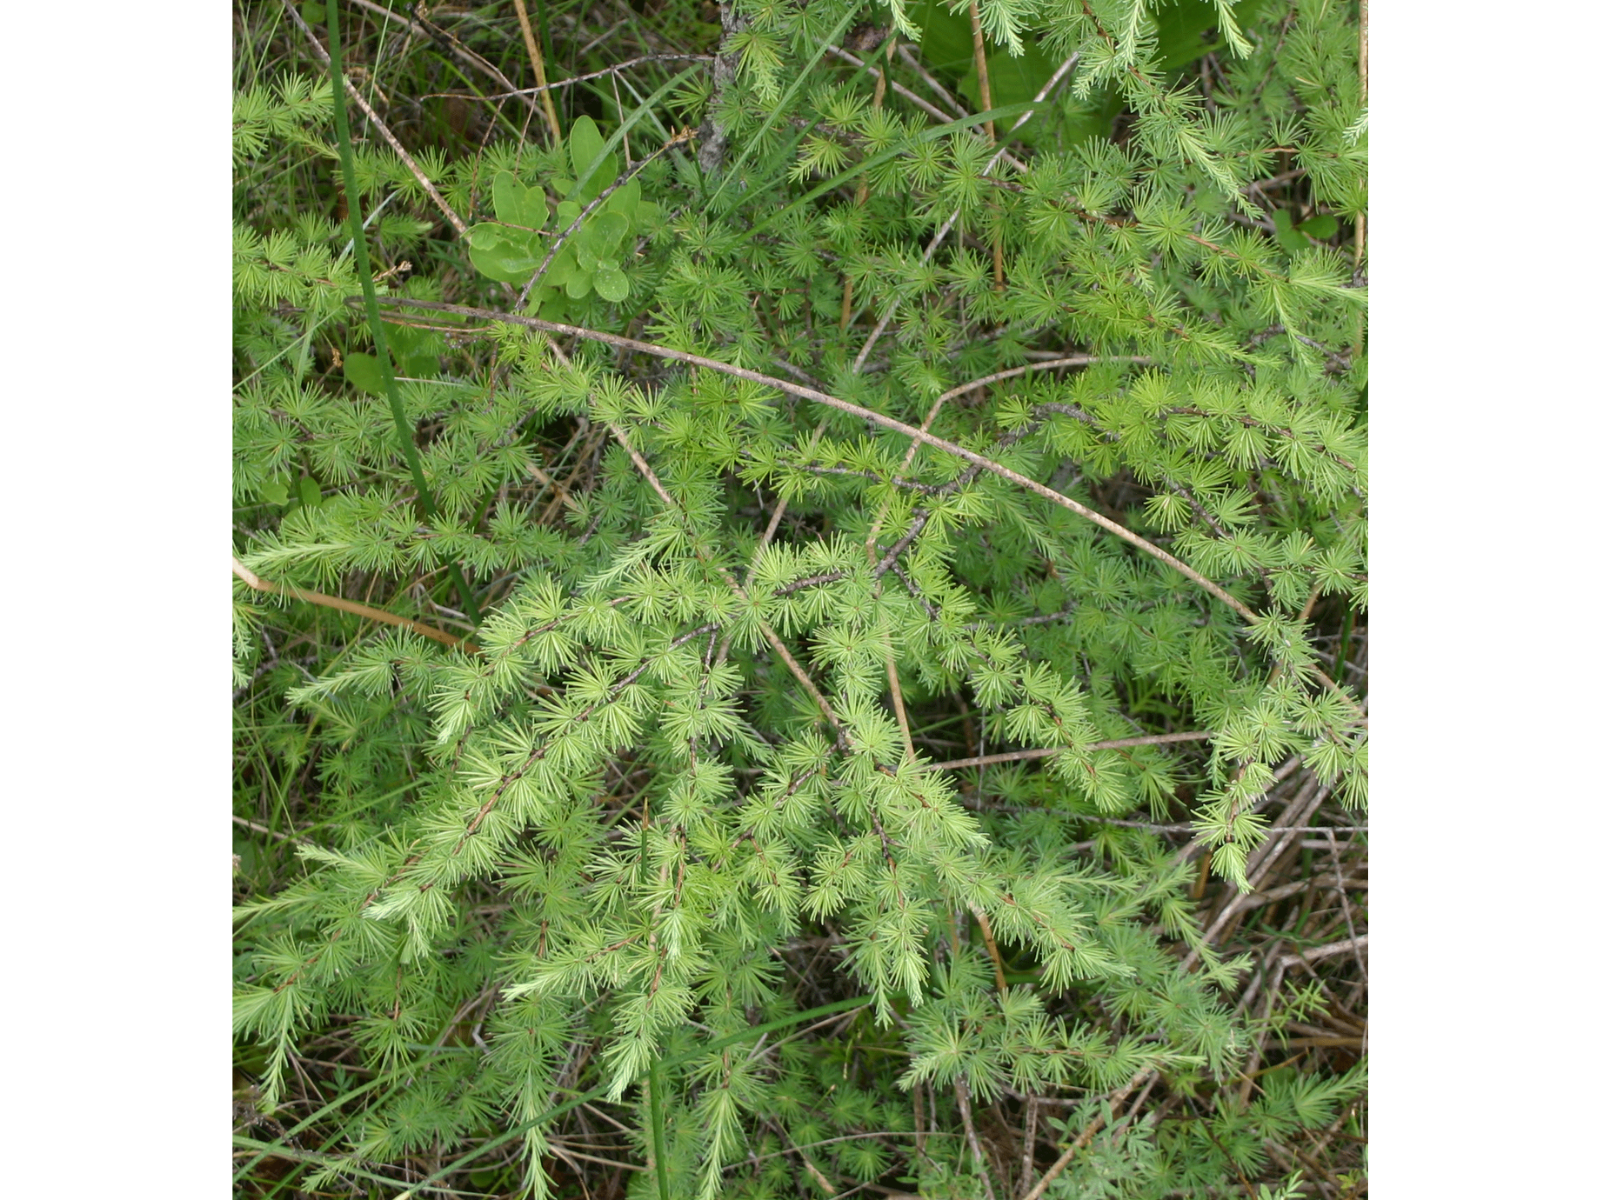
{"x":116,"y":597}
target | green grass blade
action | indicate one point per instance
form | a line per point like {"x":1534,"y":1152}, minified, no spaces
{"x":927,"y":135}
{"x":786,"y":99}
{"x":408,"y":444}
{"x":658,"y":1129}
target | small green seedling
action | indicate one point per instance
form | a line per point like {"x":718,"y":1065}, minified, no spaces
{"x":513,"y":246}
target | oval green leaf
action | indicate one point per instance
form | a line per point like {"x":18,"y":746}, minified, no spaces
{"x":362,"y":372}
{"x":561,"y":269}
{"x":420,"y":366}
{"x":625,"y":199}
{"x":1289,"y":237}
{"x":605,"y":174}
{"x":608,"y":229}
{"x":1323,"y":226}
{"x":584,"y":144}
{"x":518,"y":205}
{"x":504,"y":254}
{"x":611,"y":283}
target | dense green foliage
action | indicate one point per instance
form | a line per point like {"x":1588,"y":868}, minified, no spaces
{"x":656,"y":762}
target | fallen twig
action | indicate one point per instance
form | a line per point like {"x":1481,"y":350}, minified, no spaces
{"x":349,"y":606}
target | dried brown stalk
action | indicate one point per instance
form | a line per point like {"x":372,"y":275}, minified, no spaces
{"x":349,"y":606}
{"x":532,"y":43}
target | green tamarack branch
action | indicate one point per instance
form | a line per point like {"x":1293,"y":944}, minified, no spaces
{"x":855,"y":410}
{"x":765,"y":712}
{"x":866,"y":414}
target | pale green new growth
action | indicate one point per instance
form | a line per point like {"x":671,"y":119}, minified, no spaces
{"x":664,"y":792}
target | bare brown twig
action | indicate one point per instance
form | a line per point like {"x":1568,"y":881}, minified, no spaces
{"x":855,"y":410}
{"x":571,"y":80}
{"x":349,"y":606}
{"x":377,"y":123}
{"x":270,"y":832}
{"x":964,"y":1103}
{"x":1157,"y":739}
{"x":532,"y":43}
{"x":981,"y":59}
{"x":1084,"y":1138}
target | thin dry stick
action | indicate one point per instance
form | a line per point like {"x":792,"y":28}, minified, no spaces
{"x":1255,"y":899}
{"x":982,"y":61}
{"x":1145,"y":1077}
{"x":1307,"y":802}
{"x":934,"y":85}
{"x":1029,"y":1137}
{"x":282,"y":837}
{"x":1344,"y":903}
{"x":1327,"y":1136}
{"x":1269,"y":999}
{"x":1347,"y":946}
{"x":1195,"y":844}
{"x":1083,"y":1138}
{"x":855,"y":410}
{"x":1155,"y":739}
{"x":823,"y":1181}
{"x":349,"y":606}
{"x":866,"y":414}
{"x":538,"y":70}
{"x":574,"y":79}
{"x":965,"y":1105}
{"x":438,"y":34}
{"x":567,"y":1152}
{"x":1361,"y":218}
{"x":1049,"y":364}
{"x":1297,"y":812}
{"x":993,"y":947}
{"x":377,"y":123}
{"x":562,"y":495}
{"x":896,"y":697}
